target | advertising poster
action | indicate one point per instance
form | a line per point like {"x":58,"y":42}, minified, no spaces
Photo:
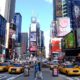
{"x":56,"y":45}
{"x":69,"y":40}
{"x":32,"y":36}
{"x":11,"y":33}
{"x":78,"y":37}
{"x":33,"y":47}
{"x":53,"y":29}
{"x":76,"y":12}
{"x":58,"y":8}
{"x":63,"y":26}
{"x":33,"y":27}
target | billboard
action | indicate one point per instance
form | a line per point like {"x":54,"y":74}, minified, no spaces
{"x":63,"y":26}
{"x":33,"y":27}
{"x":78,"y":37}
{"x":32,"y":36}
{"x":69,"y":41}
{"x":33,"y":46}
{"x":76,"y":12}
{"x":53,"y":29}
{"x":56,"y":45}
{"x":11,"y":32}
{"x":58,"y":8}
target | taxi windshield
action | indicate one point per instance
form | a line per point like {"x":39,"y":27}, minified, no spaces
{"x":3,"y":64}
{"x":69,"y":66}
{"x":78,"y":64}
{"x":17,"y":65}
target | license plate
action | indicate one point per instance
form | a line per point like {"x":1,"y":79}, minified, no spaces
{"x":13,"y":70}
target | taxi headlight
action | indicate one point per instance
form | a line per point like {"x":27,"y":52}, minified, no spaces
{"x":18,"y":70}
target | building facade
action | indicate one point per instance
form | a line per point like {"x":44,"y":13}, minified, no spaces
{"x":17,"y":22}
{"x":7,"y":9}
{"x":11,"y":41}
{"x":42,"y":39}
{"x":42,"y":43}
{"x":59,"y":9}
{"x":34,"y":36}
{"x":24,"y":43}
{"x":2,"y":37}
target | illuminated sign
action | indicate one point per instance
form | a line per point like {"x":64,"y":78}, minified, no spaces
{"x":32,"y":36}
{"x":58,"y":8}
{"x":33,"y":46}
{"x":63,"y":26}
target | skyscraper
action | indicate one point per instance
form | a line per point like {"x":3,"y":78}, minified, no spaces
{"x":34,"y":36}
{"x":18,"y":21}
{"x":42,"y":39}
{"x":24,"y":43}
{"x":7,"y":9}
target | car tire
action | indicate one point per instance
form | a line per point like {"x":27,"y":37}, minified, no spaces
{"x":67,"y":73}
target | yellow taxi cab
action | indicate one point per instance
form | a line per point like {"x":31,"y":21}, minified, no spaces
{"x":69,"y":69}
{"x":4,"y":67}
{"x":53,"y":63}
{"x":17,"y":68}
{"x":77,"y":65}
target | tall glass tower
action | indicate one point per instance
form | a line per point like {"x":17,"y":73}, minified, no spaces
{"x":7,"y":9}
{"x":18,"y":21}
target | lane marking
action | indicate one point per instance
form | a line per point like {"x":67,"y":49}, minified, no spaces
{"x":68,"y":78}
{"x":11,"y":78}
{"x":3,"y":77}
{"x":14,"y":77}
{"x":76,"y":78}
{"x":19,"y":75}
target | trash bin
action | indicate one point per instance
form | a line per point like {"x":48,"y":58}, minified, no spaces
{"x":26,"y":70}
{"x":55,"y":71}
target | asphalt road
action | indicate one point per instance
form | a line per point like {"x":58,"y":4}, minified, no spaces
{"x":6,"y":76}
{"x":47,"y":75}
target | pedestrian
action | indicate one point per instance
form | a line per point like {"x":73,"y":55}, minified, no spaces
{"x":38,"y":73}
{"x":35,"y":68}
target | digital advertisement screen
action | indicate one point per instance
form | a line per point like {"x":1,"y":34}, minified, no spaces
{"x":76,"y":13}
{"x":69,"y":40}
{"x":63,"y":26}
{"x":78,"y":37}
{"x":32,"y":36}
{"x":33,"y":46}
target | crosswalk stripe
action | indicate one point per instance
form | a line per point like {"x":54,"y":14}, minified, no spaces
{"x":68,"y":78}
{"x":2,"y":77}
{"x":76,"y":78}
{"x":11,"y":78}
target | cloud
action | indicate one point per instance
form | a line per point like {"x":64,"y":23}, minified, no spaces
{"x":49,"y":1}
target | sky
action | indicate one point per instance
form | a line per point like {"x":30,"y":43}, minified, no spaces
{"x":42,"y":9}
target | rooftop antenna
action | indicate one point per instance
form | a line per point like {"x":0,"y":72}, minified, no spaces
{"x":33,"y":13}
{"x":33,"y":18}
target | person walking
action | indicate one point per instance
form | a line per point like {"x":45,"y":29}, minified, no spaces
{"x":38,"y":73}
